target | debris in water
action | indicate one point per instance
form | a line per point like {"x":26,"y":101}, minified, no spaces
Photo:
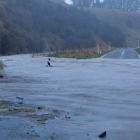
{"x":52,"y":136}
{"x":20,"y":100}
{"x":102,"y":135}
{"x":67,"y":117}
{"x":41,"y":119}
{"x":36,"y":113}
{"x":16,"y":110}
{"x":1,"y":76}
{"x":33,"y":134}
{"x":39,"y":108}
{"x":4,"y":104}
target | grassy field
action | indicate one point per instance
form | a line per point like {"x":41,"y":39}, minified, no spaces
{"x":78,"y":53}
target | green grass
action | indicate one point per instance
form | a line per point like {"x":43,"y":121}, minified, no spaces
{"x":78,"y":54}
{"x":138,"y":50}
{"x":72,"y":55}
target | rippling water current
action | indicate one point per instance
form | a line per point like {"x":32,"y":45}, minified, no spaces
{"x":99,"y":94}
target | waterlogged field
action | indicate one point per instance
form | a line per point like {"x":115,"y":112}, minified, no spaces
{"x":88,"y":96}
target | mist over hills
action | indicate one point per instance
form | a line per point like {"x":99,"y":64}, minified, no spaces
{"x":28,"y":26}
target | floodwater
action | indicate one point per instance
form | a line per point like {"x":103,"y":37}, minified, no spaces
{"x":100,"y":95}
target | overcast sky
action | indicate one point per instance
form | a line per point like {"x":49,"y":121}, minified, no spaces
{"x":70,"y":1}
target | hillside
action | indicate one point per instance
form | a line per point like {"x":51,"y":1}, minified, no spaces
{"x":40,"y":25}
{"x":126,"y":22}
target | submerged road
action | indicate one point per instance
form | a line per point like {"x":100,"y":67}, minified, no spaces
{"x":127,"y":53}
{"x":98,"y":94}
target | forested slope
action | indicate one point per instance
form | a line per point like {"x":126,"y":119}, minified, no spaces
{"x":40,"y":25}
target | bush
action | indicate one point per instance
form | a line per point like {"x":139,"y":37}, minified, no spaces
{"x":1,"y":66}
{"x":138,"y":50}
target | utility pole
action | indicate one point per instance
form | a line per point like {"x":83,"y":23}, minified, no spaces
{"x":98,"y":43}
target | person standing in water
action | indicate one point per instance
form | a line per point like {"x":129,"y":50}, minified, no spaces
{"x":49,"y":63}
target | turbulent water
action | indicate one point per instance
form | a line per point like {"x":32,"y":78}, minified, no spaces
{"x":99,"y":94}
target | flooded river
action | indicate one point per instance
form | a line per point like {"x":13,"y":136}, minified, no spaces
{"x":99,"y":94}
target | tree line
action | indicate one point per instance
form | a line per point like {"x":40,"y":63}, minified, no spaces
{"x":40,"y":25}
